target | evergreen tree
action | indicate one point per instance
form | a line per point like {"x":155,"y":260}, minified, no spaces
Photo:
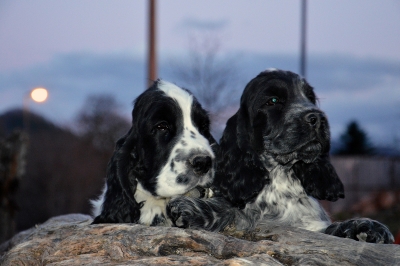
{"x":355,"y":141}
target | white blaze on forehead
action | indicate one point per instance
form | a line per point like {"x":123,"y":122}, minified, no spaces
{"x":190,"y":140}
{"x":183,"y":98}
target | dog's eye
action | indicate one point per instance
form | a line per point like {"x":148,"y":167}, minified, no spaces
{"x":163,"y":126}
{"x":272,"y":101}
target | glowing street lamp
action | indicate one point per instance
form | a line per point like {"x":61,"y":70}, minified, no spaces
{"x":38,"y":95}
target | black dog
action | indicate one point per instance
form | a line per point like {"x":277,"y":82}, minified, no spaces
{"x":273,"y":164}
{"x":167,"y":152}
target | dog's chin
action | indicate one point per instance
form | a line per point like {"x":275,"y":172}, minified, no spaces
{"x":307,"y":153}
{"x":206,"y":180}
{"x":183,"y":184}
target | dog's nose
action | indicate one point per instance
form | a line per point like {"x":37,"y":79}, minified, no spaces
{"x":314,"y":119}
{"x":201,"y":164}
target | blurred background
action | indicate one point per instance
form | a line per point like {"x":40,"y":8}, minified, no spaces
{"x":92,"y":58}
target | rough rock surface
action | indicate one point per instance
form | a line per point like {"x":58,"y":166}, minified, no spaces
{"x":71,"y":240}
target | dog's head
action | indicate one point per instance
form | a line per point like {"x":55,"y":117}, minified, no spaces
{"x":278,"y":122}
{"x":284,"y":119}
{"x":170,"y":139}
{"x":167,"y":152}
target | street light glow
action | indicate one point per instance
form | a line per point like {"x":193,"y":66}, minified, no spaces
{"x":39,"y":95}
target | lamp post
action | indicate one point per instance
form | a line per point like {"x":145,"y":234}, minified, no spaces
{"x":38,"y":95}
{"x":152,"y":49}
{"x":303,"y":39}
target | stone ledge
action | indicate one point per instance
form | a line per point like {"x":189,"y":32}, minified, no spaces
{"x":72,"y":240}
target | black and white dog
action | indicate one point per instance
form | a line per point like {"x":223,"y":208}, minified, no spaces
{"x":167,"y":152}
{"x":273,"y":164}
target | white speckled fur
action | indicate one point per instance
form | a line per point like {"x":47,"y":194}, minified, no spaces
{"x":286,"y":202}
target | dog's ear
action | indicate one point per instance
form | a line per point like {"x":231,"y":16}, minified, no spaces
{"x":240,"y":175}
{"x":119,"y":204}
{"x":319,"y":179}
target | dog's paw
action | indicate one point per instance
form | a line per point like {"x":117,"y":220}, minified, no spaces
{"x":199,"y":193}
{"x":362,"y":229}
{"x":184,"y":212}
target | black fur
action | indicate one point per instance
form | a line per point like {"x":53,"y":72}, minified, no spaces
{"x":362,"y":229}
{"x":272,"y":164}
{"x":313,"y":178}
{"x":121,"y":206}
{"x":243,"y":141}
{"x":238,"y":158}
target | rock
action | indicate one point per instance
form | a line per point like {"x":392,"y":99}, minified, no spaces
{"x":72,"y":240}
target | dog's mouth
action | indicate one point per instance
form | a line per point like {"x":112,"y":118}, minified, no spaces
{"x":310,"y":152}
{"x":307,"y":153}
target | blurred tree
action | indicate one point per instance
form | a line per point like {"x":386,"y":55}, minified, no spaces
{"x":63,"y":171}
{"x":100,"y":123}
{"x":211,"y":76}
{"x":354,"y":141}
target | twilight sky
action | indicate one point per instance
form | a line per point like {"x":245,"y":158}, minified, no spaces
{"x":79,"y":47}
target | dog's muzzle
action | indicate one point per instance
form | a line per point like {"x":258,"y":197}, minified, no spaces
{"x":200,"y":164}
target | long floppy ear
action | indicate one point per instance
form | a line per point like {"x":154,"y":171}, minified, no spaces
{"x":119,"y":204}
{"x":240,"y":174}
{"x":320,"y":179}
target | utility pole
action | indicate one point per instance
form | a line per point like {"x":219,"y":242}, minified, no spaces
{"x":152,"y":53}
{"x":303,"y":38}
